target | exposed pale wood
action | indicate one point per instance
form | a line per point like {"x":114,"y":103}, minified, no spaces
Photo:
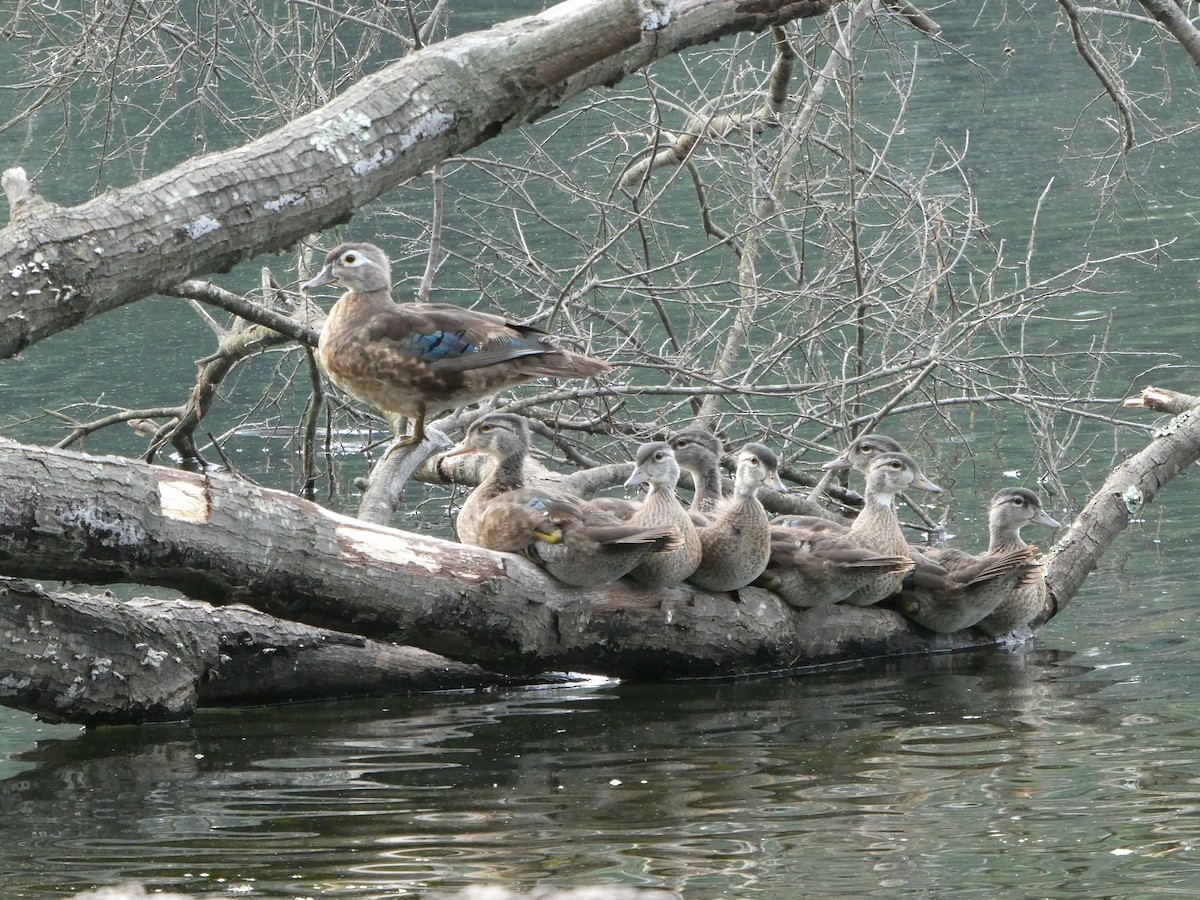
{"x":1163,"y":400}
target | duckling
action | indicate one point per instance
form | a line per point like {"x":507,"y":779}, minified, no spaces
{"x":968,"y":589}
{"x":418,"y":359}
{"x":814,"y":561}
{"x":818,"y":567}
{"x":862,"y":450}
{"x":857,"y":456}
{"x":1011,"y":510}
{"x":699,"y":452}
{"x":736,"y":541}
{"x":877,"y":527}
{"x":575,"y":542}
{"x":656,"y":465}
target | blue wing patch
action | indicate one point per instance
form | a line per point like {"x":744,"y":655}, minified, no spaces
{"x":440,"y":345}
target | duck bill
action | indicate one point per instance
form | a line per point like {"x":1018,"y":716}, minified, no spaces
{"x":778,"y":484}
{"x":324,"y":277}
{"x":1043,"y":518}
{"x":460,"y":450}
{"x":842,"y":462}
{"x":924,"y":484}
{"x":637,"y":478}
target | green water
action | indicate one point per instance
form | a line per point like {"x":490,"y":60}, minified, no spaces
{"x":1057,"y":769}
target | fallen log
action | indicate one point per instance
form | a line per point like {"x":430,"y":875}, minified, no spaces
{"x":101,"y":519}
{"x":97,"y":660}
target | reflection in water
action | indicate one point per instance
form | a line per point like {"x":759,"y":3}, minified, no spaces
{"x":988,"y":770}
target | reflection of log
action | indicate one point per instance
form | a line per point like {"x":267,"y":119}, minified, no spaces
{"x":68,"y":516}
{"x":94,"y":660}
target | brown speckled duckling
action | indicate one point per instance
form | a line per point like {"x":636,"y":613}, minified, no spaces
{"x":862,"y":450}
{"x":816,"y":566}
{"x":655,"y":464}
{"x":966,"y":590}
{"x":812,"y":562}
{"x":877,"y":527}
{"x":698,"y":453}
{"x":1011,"y":510}
{"x":736,"y":542}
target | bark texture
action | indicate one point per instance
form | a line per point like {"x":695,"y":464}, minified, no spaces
{"x":100,"y":661}
{"x":60,"y":266}
{"x":1123,"y":496}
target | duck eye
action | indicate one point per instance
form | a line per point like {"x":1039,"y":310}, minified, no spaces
{"x":349,"y":258}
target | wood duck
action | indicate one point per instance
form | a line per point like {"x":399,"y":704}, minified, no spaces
{"x":1011,"y":510}
{"x":813,"y":565}
{"x":862,"y":450}
{"x":877,"y":527}
{"x":698,"y":453}
{"x":857,"y":456}
{"x":967,"y":589}
{"x":574,"y":541}
{"x":736,"y":541}
{"x":817,"y":567}
{"x":655,"y":464}
{"x":418,"y":359}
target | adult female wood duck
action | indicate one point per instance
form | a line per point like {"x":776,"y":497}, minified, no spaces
{"x":736,"y":542}
{"x":816,"y":565}
{"x":574,"y":541}
{"x":418,"y":359}
{"x":655,"y":465}
{"x":1011,"y":510}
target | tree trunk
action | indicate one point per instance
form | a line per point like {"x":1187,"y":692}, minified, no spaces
{"x":69,"y":516}
{"x":1123,"y":496}
{"x":60,"y":267}
{"x":97,"y":661}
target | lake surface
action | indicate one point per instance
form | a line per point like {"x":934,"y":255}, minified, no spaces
{"x":1064,"y":767}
